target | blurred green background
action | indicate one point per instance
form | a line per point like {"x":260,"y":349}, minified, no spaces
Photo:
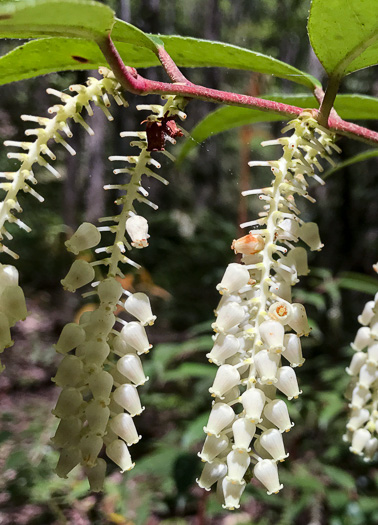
{"x":191,"y":234}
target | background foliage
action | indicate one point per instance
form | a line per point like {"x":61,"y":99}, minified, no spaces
{"x":189,"y":249}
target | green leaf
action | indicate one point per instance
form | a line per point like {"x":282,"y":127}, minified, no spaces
{"x":360,"y":157}
{"x":358,"y":282}
{"x":344,"y":34}
{"x":38,"y":18}
{"x":129,"y":34}
{"x":229,"y":117}
{"x":339,"y":477}
{"x":189,"y":371}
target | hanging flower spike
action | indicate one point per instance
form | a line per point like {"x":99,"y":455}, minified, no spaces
{"x":258,"y":327}
{"x":362,"y":425}
{"x":101,"y":369}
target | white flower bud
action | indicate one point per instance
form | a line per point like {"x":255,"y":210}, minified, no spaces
{"x":221,"y":416}
{"x":272,"y":441}
{"x":358,"y":359}
{"x":97,"y":416}
{"x":276,"y":412}
{"x":138,"y":305}
{"x":131,"y":367}
{"x":362,"y":339}
{"x":309,"y":233}
{"x":371,"y":448}
{"x":237,"y":462}
{"x":293,"y":350}
{"x":127,"y":397}
{"x":367,"y":313}
{"x":90,"y":446}
{"x":137,"y":228}
{"x":360,"y":439}
{"x":373,"y":354}
{"x":109,"y":291}
{"x":297,"y":257}
{"x":235,"y":277}
{"x":358,"y":418}
{"x":68,"y":459}
{"x":230,"y":315}
{"x":8,"y":276}
{"x":13,"y":304}
{"x":123,"y":425}
{"x":86,"y":236}
{"x":120,"y":346}
{"x":253,"y":401}
{"x":226,"y":378}
{"x":298,"y":320}
{"x":135,"y":335}
{"x":67,"y":433}
{"x":224,"y":347}
{"x":272,"y":333}
{"x":69,"y":403}
{"x":118,"y":452}
{"x":267,"y":473}
{"x":5,"y":335}
{"x":94,"y":352}
{"x":368,"y":374}
{"x":360,"y":396}
{"x":232,"y":493}
{"x":80,"y":274}
{"x":212,"y":447}
{"x":70,"y":371}
{"x":101,"y":385}
{"x":243,"y":430}
{"x":211,"y":473}
{"x":266,"y":365}
{"x":287,"y":382}
{"x":96,"y":475}
{"x":71,"y":336}
{"x":260,"y":450}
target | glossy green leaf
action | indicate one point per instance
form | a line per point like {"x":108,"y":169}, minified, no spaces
{"x":358,"y":282}
{"x":228,"y":117}
{"x":360,"y":157}
{"x":344,"y":34}
{"x":39,"y":18}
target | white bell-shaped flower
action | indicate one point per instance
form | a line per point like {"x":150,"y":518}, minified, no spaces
{"x":227,"y":299}
{"x":95,"y":352}
{"x":360,"y":396}
{"x":370,"y":449}
{"x":211,"y":473}
{"x":70,"y":371}
{"x":68,"y":459}
{"x":5,"y":335}
{"x":253,"y":401}
{"x":373,"y":354}
{"x":290,"y":229}
{"x":358,"y":418}
{"x":235,"y":277}
{"x":287,"y":382}
{"x":118,"y":452}
{"x":276,"y":411}
{"x":109,"y":291}
{"x":123,"y":425}
{"x":237,"y":462}
{"x":374,"y":326}
{"x":90,"y":447}
{"x":137,"y":228}
{"x":80,"y":274}
{"x":101,"y":322}
{"x":221,"y":416}
{"x":362,"y":339}
{"x":298,"y":320}
{"x":8,"y":276}
{"x":297,"y":257}
{"x":368,"y":374}
{"x":97,"y":416}
{"x":131,"y":367}
{"x":120,"y":346}
{"x":367,"y":313}
{"x":293,"y":350}
{"x":360,"y":439}
{"x":96,"y":475}
{"x":224,"y":347}
{"x":243,"y":431}
{"x":101,"y":385}
{"x":85,"y":237}
{"x":230,"y":315}
{"x":138,"y":305}
{"x":69,"y":403}
{"x":231,"y":396}
{"x":267,"y":365}
{"x":68,"y":432}
{"x":280,"y":311}
{"x":309,"y":233}
{"x":272,"y":333}
{"x":358,"y":359}
{"x":261,"y":452}
{"x":135,"y":335}
{"x":272,"y":441}
{"x":213,"y":446}
{"x":226,"y":378}
{"x":71,"y":336}
{"x":281,"y":289}
{"x":267,"y":473}
{"x":127,"y":397}
{"x":232,"y":492}
{"x":13,"y":305}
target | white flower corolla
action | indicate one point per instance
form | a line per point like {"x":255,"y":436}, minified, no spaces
{"x":69,"y":403}
{"x":363,"y":339}
{"x":135,"y":336}
{"x":211,"y":473}
{"x":360,"y":439}
{"x":212,"y":447}
{"x":71,"y":336}
{"x":80,"y":274}
{"x":109,"y":291}
{"x":138,"y":305}
{"x":123,"y":425}
{"x":118,"y":452}
{"x":372,"y":354}
{"x":131,"y":367}
{"x":137,"y":228}
{"x":12,"y":304}
{"x":257,"y":311}
{"x":367,"y":313}
{"x":358,"y":360}
{"x":96,"y":475}
{"x":360,"y":396}
{"x":85,"y":237}
{"x":128,"y":398}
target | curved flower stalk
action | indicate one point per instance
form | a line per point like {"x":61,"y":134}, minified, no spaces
{"x":362,"y":426}
{"x":102,"y":369}
{"x":258,"y":329}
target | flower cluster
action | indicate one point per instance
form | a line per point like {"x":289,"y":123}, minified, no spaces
{"x":362,"y":426}
{"x":257,"y":343}
{"x":101,"y":369}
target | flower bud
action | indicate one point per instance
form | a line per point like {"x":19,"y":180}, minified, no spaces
{"x":293,"y":350}
{"x":131,"y":367}
{"x":118,"y":452}
{"x":135,"y":335}
{"x":266,"y":365}
{"x":243,"y":430}
{"x":358,"y":359}
{"x":235,"y":277}
{"x":360,"y":439}
{"x":272,"y":441}
{"x":211,"y":473}
{"x":101,"y":385}
{"x":97,"y":416}
{"x":212,"y":447}
{"x":80,"y":274}
{"x":67,"y":433}
{"x":86,"y":236}
{"x":287,"y":382}
{"x":253,"y":401}
{"x":138,"y":305}
{"x":237,"y":462}
{"x":272,"y":332}
{"x":13,"y":304}
{"x":120,"y":346}
{"x":276,"y":412}
{"x":127,"y":397}
{"x":109,"y":291}
{"x":224,"y":347}
{"x":230,"y":315}
{"x":226,"y":378}
{"x":70,"y":371}
{"x":309,"y":233}
{"x":96,"y":475}
{"x":298,"y":320}
{"x":101,"y":322}
{"x":69,"y":403}
{"x":68,"y":459}
{"x":232,"y":493}
{"x":71,"y":336}
{"x":266,"y":472}
{"x":123,"y":425}
{"x":95,"y":352}
{"x":90,"y":446}
{"x":221,"y":416}
{"x":137,"y":228}
{"x":367,"y":313}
